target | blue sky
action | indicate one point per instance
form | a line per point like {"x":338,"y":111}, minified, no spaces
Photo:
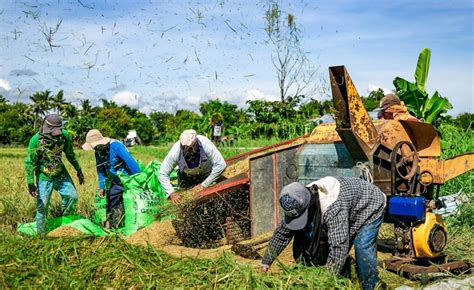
{"x":167,"y":55}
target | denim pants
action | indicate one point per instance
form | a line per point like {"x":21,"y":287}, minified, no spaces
{"x":66,"y":189}
{"x":366,"y":253}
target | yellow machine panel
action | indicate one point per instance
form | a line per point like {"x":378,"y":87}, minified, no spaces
{"x":429,"y":238}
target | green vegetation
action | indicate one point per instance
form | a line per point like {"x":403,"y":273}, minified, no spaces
{"x":110,"y":262}
{"x":425,"y":108}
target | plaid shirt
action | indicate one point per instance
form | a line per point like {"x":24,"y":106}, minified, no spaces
{"x":359,"y":202}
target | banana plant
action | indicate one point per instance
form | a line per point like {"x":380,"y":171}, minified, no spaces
{"x":415,"y":97}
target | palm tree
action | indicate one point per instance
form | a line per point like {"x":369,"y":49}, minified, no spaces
{"x":86,"y":107}
{"x":58,"y":102}
{"x":41,"y":104}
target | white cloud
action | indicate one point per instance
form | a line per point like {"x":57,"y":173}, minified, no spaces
{"x":127,"y":98}
{"x":4,"y":84}
{"x":256,"y":94}
{"x":373,"y":87}
{"x":192,"y":100}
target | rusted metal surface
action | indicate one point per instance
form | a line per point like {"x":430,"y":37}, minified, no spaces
{"x":422,"y":135}
{"x":267,"y":149}
{"x":458,"y":165}
{"x":262,"y":200}
{"x":324,"y":134}
{"x":353,"y":123}
{"x":224,"y":186}
{"x":268,"y":174}
{"x":434,"y":167}
{"x":408,"y":265}
{"x":440,"y":171}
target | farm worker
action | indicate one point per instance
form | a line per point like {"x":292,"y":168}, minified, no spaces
{"x":392,"y":108}
{"x":346,"y":210}
{"x":111,"y":158}
{"x":45,"y":170}
{"x":217,"y":125}
{"x":199,"y":164}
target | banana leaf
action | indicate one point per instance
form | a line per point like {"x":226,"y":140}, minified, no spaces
{"x":402,"y":85}
{"x":422,"y":68}
{"x":435,"y":106}
{"x":415,"y":101}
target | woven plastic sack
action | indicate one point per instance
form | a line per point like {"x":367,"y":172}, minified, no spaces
{"x":75,"y":221}
{"x":99,"y":215}
{"x":144,"y":199}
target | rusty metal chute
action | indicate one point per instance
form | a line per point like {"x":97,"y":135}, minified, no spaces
{"x":353,"y":123}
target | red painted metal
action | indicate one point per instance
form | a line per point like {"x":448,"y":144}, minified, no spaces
{"x":224,"y":186}
{"x":275,"y":189}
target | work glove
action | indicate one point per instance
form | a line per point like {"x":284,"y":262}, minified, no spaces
{"x":32,"y":190}
{"x":80,"y":176}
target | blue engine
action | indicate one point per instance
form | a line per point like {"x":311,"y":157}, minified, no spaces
{"x":407,"y":209}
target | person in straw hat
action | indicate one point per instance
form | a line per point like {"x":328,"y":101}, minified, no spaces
{"x":111,"y":157}
{"x":199,"y":164}
{"x":45,"y":170}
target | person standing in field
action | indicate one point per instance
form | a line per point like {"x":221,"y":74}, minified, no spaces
{"x":45,"y":170}
{"x":217,"y":125}
{"x":111,"y":158}
{"x":199,"y":164}
{"x":349,"y":211}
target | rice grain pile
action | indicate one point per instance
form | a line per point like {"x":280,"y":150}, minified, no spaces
{"x":64,"y":231}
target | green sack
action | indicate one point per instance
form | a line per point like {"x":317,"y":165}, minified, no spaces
{"x":99,"y":216}
{"x":143,"y":198}
{"x":75,"y":221}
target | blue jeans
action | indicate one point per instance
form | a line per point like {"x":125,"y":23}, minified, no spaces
{"x":366,"y":253}
{"x":68,"y":193}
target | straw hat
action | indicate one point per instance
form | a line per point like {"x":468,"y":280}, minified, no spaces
{"x":94,"y":138}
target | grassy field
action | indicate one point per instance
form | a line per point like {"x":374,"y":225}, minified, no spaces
{"x":82,"y":262}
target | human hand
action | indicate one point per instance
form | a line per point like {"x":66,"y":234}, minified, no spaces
{"x":32,"y":190}
{"x":100,"y":193}
{"x":175,"y":198}
{"x":197,"y":190}
{"x":80,"y":176}
{"x":264,"y":268}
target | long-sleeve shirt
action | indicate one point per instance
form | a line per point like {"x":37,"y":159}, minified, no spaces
{"x":119,"y":160}
{"x":213,"y":166}
{"x":43,"y":160}
{"x":358,"y":203}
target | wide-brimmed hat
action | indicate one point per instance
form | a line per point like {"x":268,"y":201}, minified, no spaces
{"x":294,"y":200}
{"x":94,"y":138}
{"x":52,"y":124}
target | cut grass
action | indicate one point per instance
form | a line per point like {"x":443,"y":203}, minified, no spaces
{"x":110,"y":262}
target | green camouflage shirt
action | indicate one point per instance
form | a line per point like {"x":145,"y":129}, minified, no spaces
{"x":43,"y":160}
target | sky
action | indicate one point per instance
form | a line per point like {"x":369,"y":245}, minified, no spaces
{"x":170,"y":55}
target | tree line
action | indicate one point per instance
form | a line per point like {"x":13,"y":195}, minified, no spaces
{"x":260,"y":119}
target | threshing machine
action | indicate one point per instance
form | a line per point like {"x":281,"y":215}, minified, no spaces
{"x":401,"y":157}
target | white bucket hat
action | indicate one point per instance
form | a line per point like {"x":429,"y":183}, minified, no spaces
{"x":94,"y":138}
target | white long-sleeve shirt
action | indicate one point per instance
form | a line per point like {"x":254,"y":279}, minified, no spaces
{"x":214,"y":165}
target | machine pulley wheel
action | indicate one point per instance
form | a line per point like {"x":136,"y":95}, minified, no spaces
{"x":405,"y":160}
